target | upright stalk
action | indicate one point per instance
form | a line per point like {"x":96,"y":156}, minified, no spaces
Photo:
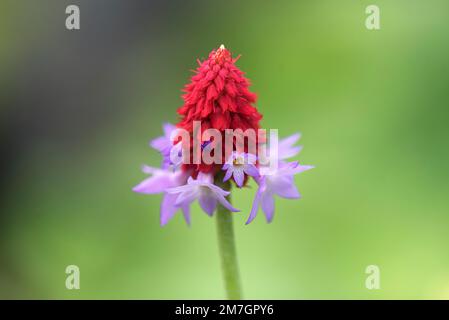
{"x":227,"y":251}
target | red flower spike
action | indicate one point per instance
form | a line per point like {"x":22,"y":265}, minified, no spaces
{"x":219,"y":97}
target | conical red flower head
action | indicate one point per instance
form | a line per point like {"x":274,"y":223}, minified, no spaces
{"x":218,"y":97}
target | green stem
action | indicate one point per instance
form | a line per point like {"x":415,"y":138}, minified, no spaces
{"x":227,"y":250}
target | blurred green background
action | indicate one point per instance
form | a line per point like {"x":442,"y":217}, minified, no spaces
{"x":77,"y":109}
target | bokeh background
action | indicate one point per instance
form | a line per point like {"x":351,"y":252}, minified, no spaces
{"x":77,"y":109}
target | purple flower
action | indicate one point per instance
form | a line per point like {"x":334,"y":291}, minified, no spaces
{"x":159,"y":181}
{"x":280,"y":183}
{"x":179,"y":189}
{"x":239,"y":164}
{"x":168,"y":209}
{"x":165,"y":146}
{"x":203,"y":190}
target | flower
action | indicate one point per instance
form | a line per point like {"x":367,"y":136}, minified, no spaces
{"x":239,"y":164}
{"x":203,"y":190}
{"x":281,"y":183}
{"x":217,"y":117}
{"x":159,"y":181}
{"x":164,"y":145}
{"x":218,"y":97}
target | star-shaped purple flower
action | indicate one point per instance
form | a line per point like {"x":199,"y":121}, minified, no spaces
{"x":158,"y":182}
{"x":180,"y":189}
{"x":203,"y":190}
{"x":280,"y":183}
{"x":239,"y":164}
{"x":165,"y":146}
